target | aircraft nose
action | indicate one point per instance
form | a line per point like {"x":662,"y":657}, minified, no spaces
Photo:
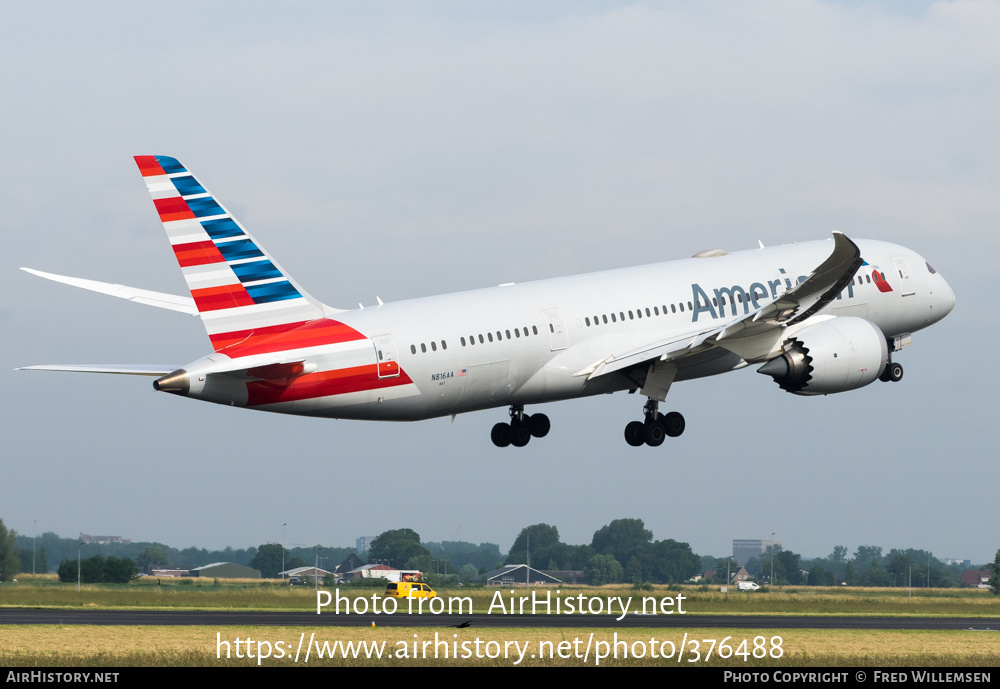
{"x":943,"y":300}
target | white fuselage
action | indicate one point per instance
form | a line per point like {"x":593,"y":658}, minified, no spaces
{"x":533,"y":342}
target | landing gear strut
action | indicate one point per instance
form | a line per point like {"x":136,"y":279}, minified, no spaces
{"x":521,"y":428}
{"x":655,"y":428}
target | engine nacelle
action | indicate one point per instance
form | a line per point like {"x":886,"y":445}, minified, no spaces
{"x":840,"y":354}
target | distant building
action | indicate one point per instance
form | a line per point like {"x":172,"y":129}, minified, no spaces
{"x":226,"y":570}
{"x":742,"y":575}
{"x":300,"y":572}
{"x":363,"y":543}
{"x":510,"y":575}
{"x":383,"y":572}
{"x":746,"y":548}
{"x":87,"y":539}
{"x":978,"y":578}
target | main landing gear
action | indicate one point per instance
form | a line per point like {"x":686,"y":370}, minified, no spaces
{"x":520,"y":429}
{"x":893,"y":373}
{"x":655,"y":428}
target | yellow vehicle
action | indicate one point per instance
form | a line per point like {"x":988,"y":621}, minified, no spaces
{"x":409,"y":589}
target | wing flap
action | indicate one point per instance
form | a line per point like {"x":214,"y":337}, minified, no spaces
{"x":794,"y":306}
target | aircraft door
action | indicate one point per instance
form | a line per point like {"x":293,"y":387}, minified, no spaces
{"x":385,"y":355}
{"x":905,"y":278}
{"x":558,"y":337}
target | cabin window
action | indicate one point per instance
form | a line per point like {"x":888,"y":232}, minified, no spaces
{"x":434,"y":347}
{"x":489,"y":336}
{"x":480,"y":339}
{"x":517,"y":332}
{"x":587,"y":321}
{"x":499,"y":336}
{"x":508,"y":334}
{"x":534,"y":329}
{"x":613,"y":319}
{"x":413,"y":349}
{"x":444,"y":345}
{"x":682,"y":307}
{"x":656,"y":310}
{"x":463,"y":341}
{"x":647,"y":312}
{"x":423,"y":348}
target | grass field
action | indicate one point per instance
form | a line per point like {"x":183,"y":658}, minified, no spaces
{"x":50,"y":646}
{"x":101,"y":646}
{"x":254,"y":594}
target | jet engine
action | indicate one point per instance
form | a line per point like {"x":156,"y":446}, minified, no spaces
{"x":836,"y":355}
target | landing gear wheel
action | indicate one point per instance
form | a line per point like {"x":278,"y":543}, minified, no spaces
{"x":501,"y":434}
{"x":894,"y":372}
{"x":538,"y":424}
{"x":673,"y":423}
{"x":634,"y":433}
{"x":654,"y":433}
{"x":520,"y":434}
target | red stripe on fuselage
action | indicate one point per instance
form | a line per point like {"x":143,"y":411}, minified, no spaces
{"x":321,"y":384}
{"x":222,"y":340}
{"x":225,"y":297}
{"x":173,"y":209}
{"x":197,"y":254}
{"x":148,"y":167}
{"x":321,"y":331}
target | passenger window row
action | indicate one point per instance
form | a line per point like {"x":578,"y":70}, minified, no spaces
{"x":483,"y":339}
{"x":643,"y":312}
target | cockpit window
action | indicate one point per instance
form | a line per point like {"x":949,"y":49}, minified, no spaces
{"x":930,"y":268}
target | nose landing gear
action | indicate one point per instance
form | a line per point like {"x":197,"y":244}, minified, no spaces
{"x":521,"y":428}
{"x":656,"y":427}
{"x":893,"y":373}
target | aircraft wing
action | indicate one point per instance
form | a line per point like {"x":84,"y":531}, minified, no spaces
{"x":799,"y":303}
{"x":142,"y":296}
{"x":121,"y":369}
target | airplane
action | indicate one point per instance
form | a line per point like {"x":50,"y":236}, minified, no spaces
{"x":819,"y":317}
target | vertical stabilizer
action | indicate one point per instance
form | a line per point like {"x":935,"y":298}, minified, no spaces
{"x":240,"y":292}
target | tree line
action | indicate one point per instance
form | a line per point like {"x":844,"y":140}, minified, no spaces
{"x":621,"y":551}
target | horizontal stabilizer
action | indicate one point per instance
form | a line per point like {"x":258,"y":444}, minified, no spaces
{"x":141,"y":296}
{"x":121,"y":369}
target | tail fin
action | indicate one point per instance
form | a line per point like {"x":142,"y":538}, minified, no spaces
{"x":240,"y":292}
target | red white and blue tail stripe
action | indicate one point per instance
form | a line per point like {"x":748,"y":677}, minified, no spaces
{"x":240,"y":292}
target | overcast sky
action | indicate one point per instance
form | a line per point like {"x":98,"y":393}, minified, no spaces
{"x":409,"y":149}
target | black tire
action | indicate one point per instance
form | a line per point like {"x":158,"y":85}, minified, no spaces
{"x":539,"y":425}
{"x":654,"y":433}
{"x":635,"y":433}
{"x":501,"y":435}
{"x":895,"y":372}
{"x":674,"y":424}
{"x":520,"y":434}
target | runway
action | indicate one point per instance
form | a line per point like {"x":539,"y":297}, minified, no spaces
{"x":25,"y":616}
